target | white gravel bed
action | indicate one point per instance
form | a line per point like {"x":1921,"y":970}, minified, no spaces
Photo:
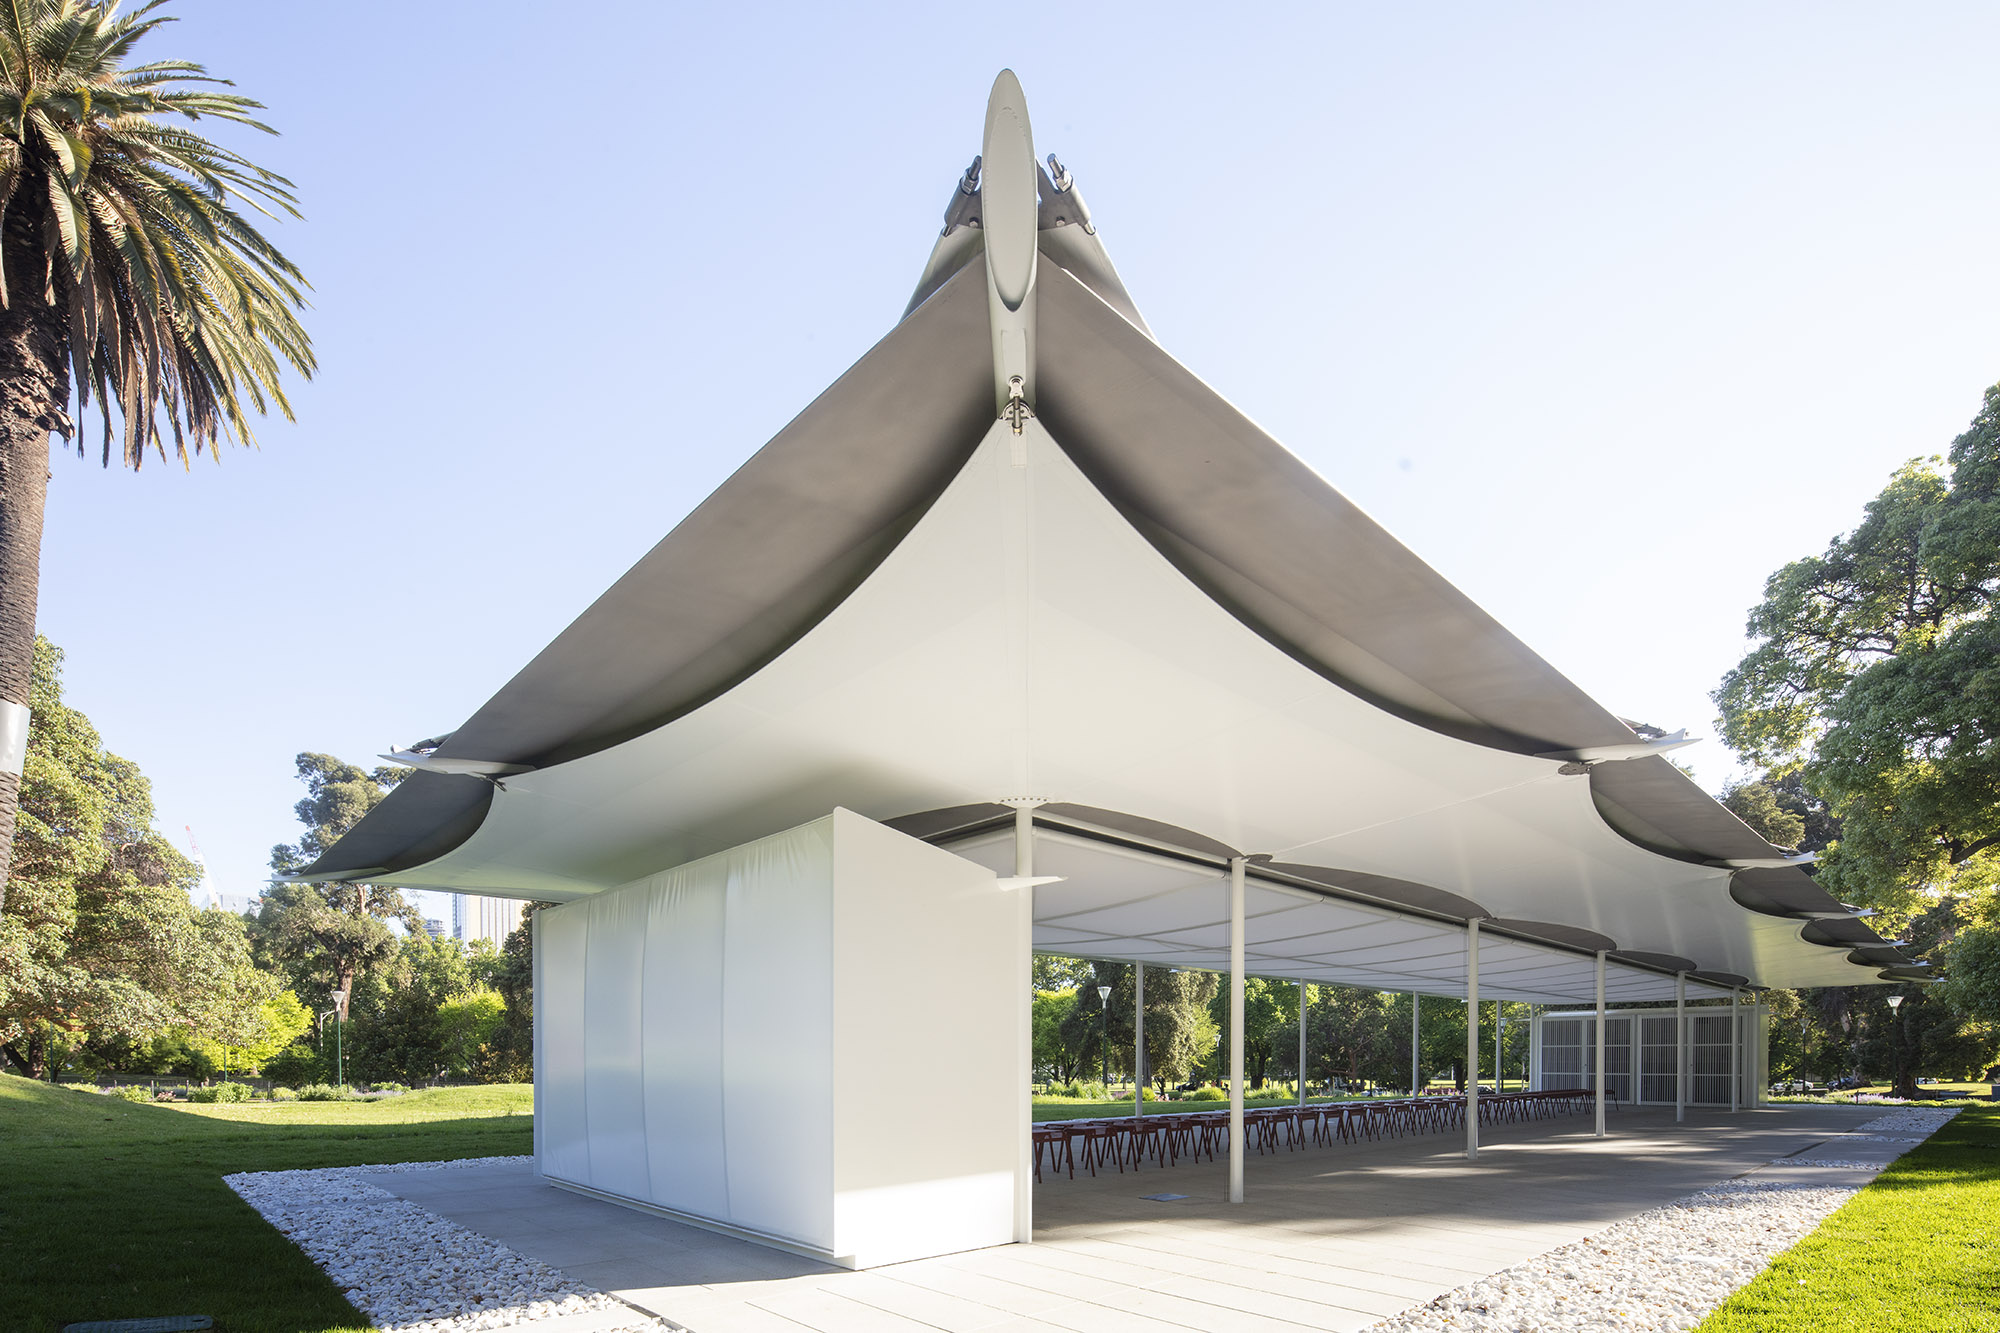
{"x":1660,"y":1270}
{"x":410,"y":1270}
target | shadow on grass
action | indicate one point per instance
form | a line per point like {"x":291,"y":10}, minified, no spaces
{"x":116,"y":1210}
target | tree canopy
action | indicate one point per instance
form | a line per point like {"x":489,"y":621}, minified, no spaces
{"x":324,"y":936}
{"x":99,"y":935}
{"x":1874,"y":676}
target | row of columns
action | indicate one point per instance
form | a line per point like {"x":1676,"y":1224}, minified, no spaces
{"x":1024,"y":870}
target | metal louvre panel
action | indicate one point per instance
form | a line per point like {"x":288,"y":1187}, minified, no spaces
{"x":1656,"y":1059}
{"x":1708,"y":1059}
{"x":1618,"y":1058}
{"x":1568,"y":1052}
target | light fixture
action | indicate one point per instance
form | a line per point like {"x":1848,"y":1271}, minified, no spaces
{"x":1104,"y":994}
{"x":1895,"y":1003}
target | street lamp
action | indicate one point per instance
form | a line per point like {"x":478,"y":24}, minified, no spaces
{"x":1895,"y":1044}
{"x":1104,"y":1044}
{"x":339,"y":1020}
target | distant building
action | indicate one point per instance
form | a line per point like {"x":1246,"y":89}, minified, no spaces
{"x":236,"y":904}
{"x":477,"y":918}
{"x":435,"y":927}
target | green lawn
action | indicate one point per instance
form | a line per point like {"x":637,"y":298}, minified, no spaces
{"x":1917,"y":1250}
{"x":111,"y":1210}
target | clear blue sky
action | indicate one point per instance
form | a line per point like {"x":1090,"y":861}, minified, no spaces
{"x":1607,"y":311}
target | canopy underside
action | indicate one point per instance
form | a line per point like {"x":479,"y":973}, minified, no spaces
{"x":1132,"y":602}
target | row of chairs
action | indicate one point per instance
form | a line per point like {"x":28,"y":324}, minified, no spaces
{"x":1170,"y":1137}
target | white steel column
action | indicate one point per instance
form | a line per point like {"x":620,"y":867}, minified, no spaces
{"x":1302,"y":1043}
{"x":1680,"y":1046}
{"x":1600,"y":1043}
{"x":1472,"y":1038}
{"x":1534,"y":1048}
{"x":1499,"y":1035}
{"x":1735,"y":1049}
{"x":1024,"y":1168}
{"x":1236,"y":1029}
{"x":1138,"y":1039}
{"x":1416,"y":1031}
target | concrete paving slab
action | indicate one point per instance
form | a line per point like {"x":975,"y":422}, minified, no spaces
{"x":1330,"y":1238}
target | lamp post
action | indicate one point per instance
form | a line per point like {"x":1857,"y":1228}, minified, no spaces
{"x":1104,"y":1044}
{"x":1895,"y":1045}
{"x":340,"y":1019}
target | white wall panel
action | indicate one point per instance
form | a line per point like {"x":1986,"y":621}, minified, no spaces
{"x":714,"y":1036}
{"x":930,"y":957}
{"x":682,"y":1002}
{"x":613,"y":1044}
{"x":777,"y":1050}
{"x":560,"y":1023}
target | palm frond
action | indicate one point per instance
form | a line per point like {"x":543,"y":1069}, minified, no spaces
{"x":180,"y":315}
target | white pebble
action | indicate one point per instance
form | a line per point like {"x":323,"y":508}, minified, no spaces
{"x":1666,"y":1269}
{"x":410,"y":1270}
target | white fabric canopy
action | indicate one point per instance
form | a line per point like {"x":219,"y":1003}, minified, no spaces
{"x":1134,"y":906}
{"x":1023,"y":639}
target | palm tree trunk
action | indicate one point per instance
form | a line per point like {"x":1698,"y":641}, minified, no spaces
{"x":34,"y":386}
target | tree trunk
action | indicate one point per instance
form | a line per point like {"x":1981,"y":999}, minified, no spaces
{"x":34,"y":386}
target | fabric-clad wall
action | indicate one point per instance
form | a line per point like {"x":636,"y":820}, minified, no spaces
{"x":712,"y":1035}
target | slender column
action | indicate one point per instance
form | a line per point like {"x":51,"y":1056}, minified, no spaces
{"x":1236,"y":1029}
{"x":1680,"y":1046}
{"x":1735,"y":1049}
{"x":1499,"y":1033}
{"x":1600,"y":1043}
{"x":1302,"y":1043}
{"x":1138,"y":1039}
{"x":1416,"y":1032}
{"x":1472,"y":1038}
{"x":1024,"y":1167}
{"x":1535,"y":1048}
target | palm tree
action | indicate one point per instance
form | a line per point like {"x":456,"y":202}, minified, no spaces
{"x":129,"y":274}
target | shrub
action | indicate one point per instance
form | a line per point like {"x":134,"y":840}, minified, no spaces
{"x":295,"y":1066}
{"x":284,"y":1095}
{"x":221,"y":1092}
{"x":133,"y":1094}
{"x":324,"y":1092}
{"x":389,"y":1087}
{"x":81,"y":1087}
{"x":1207,"y":1092}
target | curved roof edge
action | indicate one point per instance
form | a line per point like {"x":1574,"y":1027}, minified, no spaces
{"x":802,"y":523}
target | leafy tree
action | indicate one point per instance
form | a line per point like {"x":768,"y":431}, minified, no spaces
{"x":1972,"y":973}
{"x":297,"y":1065}
{"x":1760,"y":805}
{"x":98,"y":937}
{"x":1874,"y":672}
{"x":1270,"y":1027}
{"x":1179,"y":1031}
{"x":485,"y":961}
{"x":127,"y":271}
{"x":278,"y":1022}
{"x":399,"y":1029}
{"x":467,"y":1024}
{"x":1053,"y":1054}
{"x":514,"y":1041}
{"x":324,"y":936}
{"x":1350,"y":1036}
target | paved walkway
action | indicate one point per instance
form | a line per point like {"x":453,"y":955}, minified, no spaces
{"x":1329,"y":1238}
